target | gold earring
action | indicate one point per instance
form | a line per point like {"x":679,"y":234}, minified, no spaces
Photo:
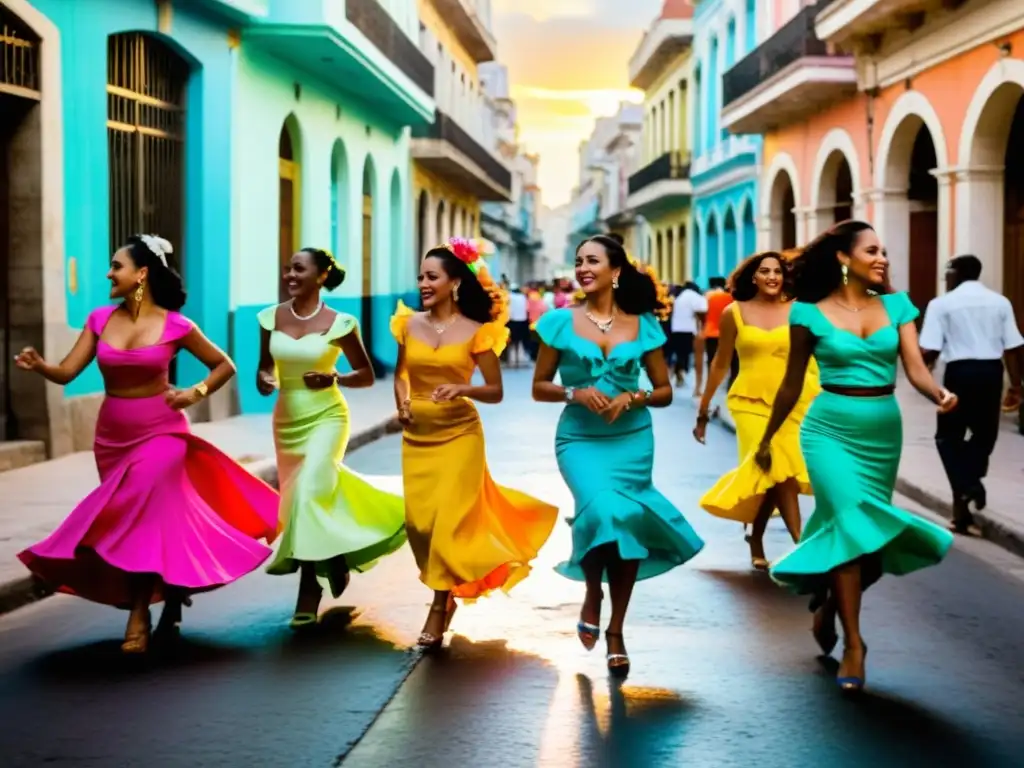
{"x":846,"y":273}
{"x":615,"y":283}
{"x":455,"y":292}
{"x":139,"y":292}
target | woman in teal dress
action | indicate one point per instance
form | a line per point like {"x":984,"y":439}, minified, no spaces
{"x":852,"y":435}
{"x":333,"y":521}
{"x":623,"y":529}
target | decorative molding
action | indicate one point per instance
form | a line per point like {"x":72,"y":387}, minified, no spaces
{"x":836,"y":140}
{"x":909,"y":104}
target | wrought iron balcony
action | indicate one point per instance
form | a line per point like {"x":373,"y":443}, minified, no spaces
{"x":671,"y":165}
{"x":370,"y":18}
{"x":448,"y":149}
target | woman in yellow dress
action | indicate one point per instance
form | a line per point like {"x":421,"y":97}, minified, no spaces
{"x":756,"y":325}
{"x":333,"y":521}
{"x":469,"y":535}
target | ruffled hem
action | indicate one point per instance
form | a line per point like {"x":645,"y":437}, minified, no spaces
{"x":197,"y":531}
{"x":905,"y":542}
{"x":643,"y":526}
{"x":738,"y":494}
{"x":359,"y":522}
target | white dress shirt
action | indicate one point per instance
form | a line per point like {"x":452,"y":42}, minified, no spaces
{"x":687,"y":304}
{"x":971,"y":322}
{"x":517,"y":307}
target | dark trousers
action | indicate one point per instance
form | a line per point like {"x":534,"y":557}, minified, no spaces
{"x":711,"y":347}
{"x":978,"y":385}
{"x":681,"y":345}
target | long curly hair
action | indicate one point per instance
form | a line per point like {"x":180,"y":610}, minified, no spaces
{"x":741,"y":282}
{"x":480,"y":298}
{"x":637,"y":293}
{"x":817,"y":271}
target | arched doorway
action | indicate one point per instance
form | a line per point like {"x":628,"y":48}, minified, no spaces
{"x":366,"y":319}
{"x":1013,"y":214}
{"x":712,"y":250}
{"x":730,"y":242}
{"x":147,"y":83}
{"x":439,"y":224}
{"x":835,"y":193}
{"x":23,"y":410}
{"x":667,"y":273}
{"x":682,"y":265}
{"x":339,"y":197}
{"x":783,"y":212}
{"x":749,"y":229}
{"x":453,"y":223}
{"x":422,"y":205}
{"x":289,"y":204}
{"x":659,"y":249}
{"x":699,"y":268}
{"x":923,"y":199}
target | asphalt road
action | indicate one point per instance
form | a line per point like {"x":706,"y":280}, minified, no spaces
{"x":724,"y":667}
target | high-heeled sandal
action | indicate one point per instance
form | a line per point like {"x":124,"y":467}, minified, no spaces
{"x":136,"y":642}
{"x":169,"y":625}
{"x":758,"y":563}
{"x":826,"y":637}
{"x":305,"y":619}
{"x":428,"y":642}
{"x":851,"y":684}
{"x":587,"y":633}
{"x":618,"y":663}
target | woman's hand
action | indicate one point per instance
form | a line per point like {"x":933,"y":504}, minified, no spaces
{"x":266,"y":383}
{"x":763,"y":457}
{"x":405,"y":414}
{"x":947,"y":401}
{"x":592,"y":399}
{"x":29,"y":360}
{"x":317,"y":380}
{"x":448,"y":392}
{"x":701,"y":427}
{"x":180,"y":399}
{"x":618,"y":404}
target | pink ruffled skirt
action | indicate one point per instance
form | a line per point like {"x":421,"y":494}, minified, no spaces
{"x":168,"y":504}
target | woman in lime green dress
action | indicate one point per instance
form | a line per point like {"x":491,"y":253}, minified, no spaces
{"x":332,"y":521}
{"x":852,"y":435}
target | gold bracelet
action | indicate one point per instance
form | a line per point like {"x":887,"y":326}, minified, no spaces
{"x":201,"y":389}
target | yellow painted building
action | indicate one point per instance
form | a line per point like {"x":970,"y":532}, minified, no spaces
{"x":454,"y":169}
{"x":660,"y":192}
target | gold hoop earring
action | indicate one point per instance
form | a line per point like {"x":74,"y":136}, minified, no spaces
{"x":140,"y":291}
{"x":846,"y":275}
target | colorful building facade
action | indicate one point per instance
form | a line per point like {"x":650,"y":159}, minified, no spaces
{"x":724,"y":171}
{"x":661,"y":191}
{"x":241,"y":130}
{"x":908,"y":114}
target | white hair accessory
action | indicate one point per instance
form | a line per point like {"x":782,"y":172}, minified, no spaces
{"x":158,"y":246}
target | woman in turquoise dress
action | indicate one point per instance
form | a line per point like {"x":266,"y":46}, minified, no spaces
{"x":851,"y":438}
{"x":623,"y":530}
{"x":333,"y":521}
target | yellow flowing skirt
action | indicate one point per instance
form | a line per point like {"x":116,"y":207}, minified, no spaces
{"x":468,"y":534}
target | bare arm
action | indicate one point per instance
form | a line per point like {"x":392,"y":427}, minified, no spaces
{"x":723,"y":358}
{"x":544,"y":388}
{"x":801,"y":347}
{"x":361,"y":375}
{"x":657,"y":372}
{"x":222,"y":369}
{"x":73,"y":364}
{"x":492,"y":390}
{"x":914,"y":364}
{"x":401,"y":379}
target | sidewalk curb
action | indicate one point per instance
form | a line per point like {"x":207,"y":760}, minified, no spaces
{"x":26,"y":590}
{"x":995,"y":531}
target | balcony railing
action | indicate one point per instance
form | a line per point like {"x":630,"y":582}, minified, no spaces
{"x":671,"y":165}
{"x":380,"y":29}
{"x":793,"y":41}
{"x":444,"y":128}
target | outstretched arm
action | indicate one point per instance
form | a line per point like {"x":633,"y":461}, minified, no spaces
{"x":69,"y":368}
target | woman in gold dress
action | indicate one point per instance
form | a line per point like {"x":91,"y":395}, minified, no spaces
{"x":469,"y":535}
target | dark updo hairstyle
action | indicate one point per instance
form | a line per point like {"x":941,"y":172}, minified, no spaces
{"x":816,"y":271}
{"x":637,"y":293}
{"x":741,"y":282}
{"x":474,"y":301}
{"x":325,"y":264}
{"x":165,"y":283}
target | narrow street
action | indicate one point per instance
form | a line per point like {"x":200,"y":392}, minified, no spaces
{"x":724,"y":667}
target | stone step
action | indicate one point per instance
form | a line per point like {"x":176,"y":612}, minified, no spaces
{"x":21,"y":453}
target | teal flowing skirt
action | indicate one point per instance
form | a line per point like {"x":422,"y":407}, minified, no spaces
{"x":608,"y":469}
{"x":852,"y":449}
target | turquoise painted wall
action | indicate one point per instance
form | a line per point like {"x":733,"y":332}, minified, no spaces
{"x":84,"y":27}
{"x":336,"y":139}
{"x":719,"y":248}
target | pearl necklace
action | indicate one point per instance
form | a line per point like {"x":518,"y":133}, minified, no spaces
{"x":604,"y":326}
{"x":310,"y":316}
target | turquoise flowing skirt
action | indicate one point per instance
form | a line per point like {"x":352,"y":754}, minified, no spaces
{"x":608,"y":469}
{"x":852,"y":449}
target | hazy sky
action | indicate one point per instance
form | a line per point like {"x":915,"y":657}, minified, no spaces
{"x":568,"y":63}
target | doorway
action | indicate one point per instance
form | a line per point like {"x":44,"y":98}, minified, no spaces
{"x":1013,"y":212}
{"x":288,"y":186}
{"x":923,"y":195}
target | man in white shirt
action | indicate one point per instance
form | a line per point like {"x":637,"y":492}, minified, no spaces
{"x":518,"y":324}
{"x":973,"y":328}
{"x":687,"y":312}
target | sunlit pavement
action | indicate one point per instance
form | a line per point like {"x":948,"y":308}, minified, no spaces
{"x":724,"y":668}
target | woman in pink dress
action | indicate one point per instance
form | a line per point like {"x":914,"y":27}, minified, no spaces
{"x":172,"y":514}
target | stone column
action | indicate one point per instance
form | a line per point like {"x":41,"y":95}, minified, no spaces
{"x":892,"y":223}
{"x":979,"y":223}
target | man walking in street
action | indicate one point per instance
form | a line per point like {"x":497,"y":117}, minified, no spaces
{"x":973,"y":328}
{"x":518,"y":325}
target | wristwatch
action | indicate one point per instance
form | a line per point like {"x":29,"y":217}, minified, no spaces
{"x":569,"y":393}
